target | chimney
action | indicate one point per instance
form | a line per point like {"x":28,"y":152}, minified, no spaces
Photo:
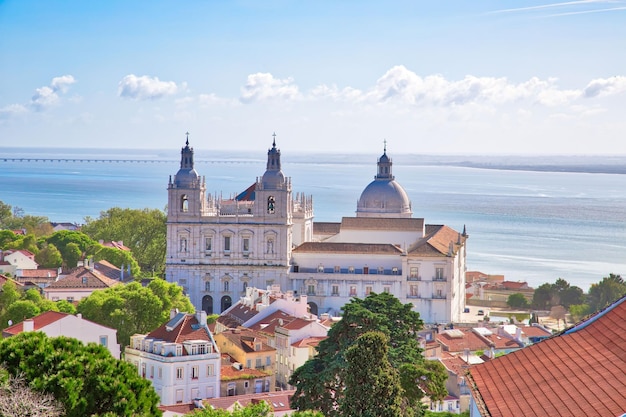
{"x":28,"y":325}
{"x":173,"y":313}
{"x":80,"y":316}
{"x":122,"y":272}
{"x":518,"y":333}
{"x":201,"y":317}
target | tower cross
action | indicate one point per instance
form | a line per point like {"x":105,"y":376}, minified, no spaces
{"x":274,"y":135}
{"x":187,"y":134}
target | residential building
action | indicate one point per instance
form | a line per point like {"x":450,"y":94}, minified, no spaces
{"x":54,"y":324}
{"x":237,"y":380}
{"x":251,"y":352}
{"x":20,"y":259}
{"x":218,"y":247}
{"x":180,"y":358}
{"x":78,"y":284}
{"x":579,"y":372}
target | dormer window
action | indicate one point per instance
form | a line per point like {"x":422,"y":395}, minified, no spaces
{"x":271,"y":204}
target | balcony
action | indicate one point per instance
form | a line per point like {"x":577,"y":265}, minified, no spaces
{"x":440,"y":279}
{"x":413,"y":278}
{"x":412,"y":296}
{"x":439,"y":296}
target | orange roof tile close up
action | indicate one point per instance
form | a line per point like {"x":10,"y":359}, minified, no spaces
{"x":579,"y":372}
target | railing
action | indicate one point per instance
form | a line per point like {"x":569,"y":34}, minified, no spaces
{"x":439,"y":296}
{"x":355,"y":271}
{"x":440,"y":279}
{"x":413,"y":278}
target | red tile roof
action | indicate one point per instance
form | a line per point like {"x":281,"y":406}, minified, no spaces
{"x":39,"y":273}
{"x":268,"y":324}
{"x":341,"y":247}
{"x":82,"y":277}
{"x":309,"y":342}
{"x":458,"y":340}
{"x":437,"y":241}
{"x":39,"y":322}
{"x":279,"y":400}
{"x":4,"y":279}
{"x":579,"y":372}
{"x":245,"y":339}
{"x":187,"y":329}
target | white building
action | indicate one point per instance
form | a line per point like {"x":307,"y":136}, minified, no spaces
{"x":55,"y":324}
{"x":180,"y":358}
{"x":217,"y":247}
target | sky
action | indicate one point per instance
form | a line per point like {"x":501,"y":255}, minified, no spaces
{"x":428,"y":77}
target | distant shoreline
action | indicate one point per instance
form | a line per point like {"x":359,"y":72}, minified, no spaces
{"x":586,"y":169}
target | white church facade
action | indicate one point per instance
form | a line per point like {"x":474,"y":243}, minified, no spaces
{"x":266,"y":236}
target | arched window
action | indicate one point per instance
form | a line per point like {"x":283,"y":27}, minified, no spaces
{"x":184,"y":203}
{"x":271,"y":204}
{"x":226,"y":286}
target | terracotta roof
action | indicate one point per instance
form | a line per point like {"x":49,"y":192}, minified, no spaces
{"x":513,"y":285}
{"x":108,"y":269}
{"x":279,"y":400}
{"x":241,"y":312}
{"x":377,"y":223}
{"x":334,"y":247}
{"x":326,"y":228}
{"x":178,"y":408}
{"x":437,"y":241}
{"x":535,"y":331}
{"x":82,"y":277}
{"x":248,"y":194}
{"x":227,"y":372}
{"x":39,"y":321}
{"x":268,"y":324}
{"x":116,"y":245}
{"x":454,"y":363}
{"x":296,"y":324}
{"x":309,"y":342}
{"x":187,"y":328}
{"x":245,"y":339}
{"x":579,"y":372}
{"x":458,"y":340}
{"x":4,"y":279}
{"x":39,"y":273}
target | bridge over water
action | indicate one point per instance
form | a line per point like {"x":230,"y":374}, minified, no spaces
{"x":130,"y":161}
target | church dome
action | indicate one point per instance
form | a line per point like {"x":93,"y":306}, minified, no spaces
{"x":273,"y":178}
{"x":186,"y":176}
{"x":384,"y":197}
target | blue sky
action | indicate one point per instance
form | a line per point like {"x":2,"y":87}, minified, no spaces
{"x":438,"y":77}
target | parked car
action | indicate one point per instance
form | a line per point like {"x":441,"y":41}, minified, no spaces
{"x":481,"y":312}
{"x":467,"y":310}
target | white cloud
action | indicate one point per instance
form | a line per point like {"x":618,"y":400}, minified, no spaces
{"x":146,"y":88}
{"x":48,"y":96}
{"x":601,"y":87}
{"x":263,"y":86}
{"x":61,"y":83}
{"x":11,"y":111}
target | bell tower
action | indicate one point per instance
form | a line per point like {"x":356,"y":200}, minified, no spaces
{"x":273,"y":191}
{"x":187,"y":189}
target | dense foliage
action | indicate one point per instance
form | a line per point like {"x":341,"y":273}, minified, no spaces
{"x":86,"y":379}
{"x":560,"y":293}
{"x":17,"y":305}
{"x":606,"y":291}
{"x":143,"y":231}
{"x":517,"y":300}
{"x":373,"y":390}
{"x":260,"y":409}
{"x":133,"y":308}
{"x":321,"y":382}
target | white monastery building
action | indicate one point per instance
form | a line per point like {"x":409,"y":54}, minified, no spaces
{"x":266,"y":236}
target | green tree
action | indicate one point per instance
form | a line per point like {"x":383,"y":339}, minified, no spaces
{"x":517,"y":300}
{"x":320,"y":382}
{"x":35,"y":225}
{"x":578,"y":311}
{"x":606,"y":291}
{"x":8,"y":295}
{"x":62,"y":238}
{"x":7,"y":237}
{"x":132,"y":308}
{"x":542,"y":297}
{"x":6,"y":212}
{"x":118,"y":258}
{"x":18,"y":311}
{"x":49,"y":257}
{"x":72,"y":254}
{"x":571,"y":296}
{"x":143,"y":231}
{"x":65,"y":306}
{"x":372,"y":386}
{"x":87,"y":380}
